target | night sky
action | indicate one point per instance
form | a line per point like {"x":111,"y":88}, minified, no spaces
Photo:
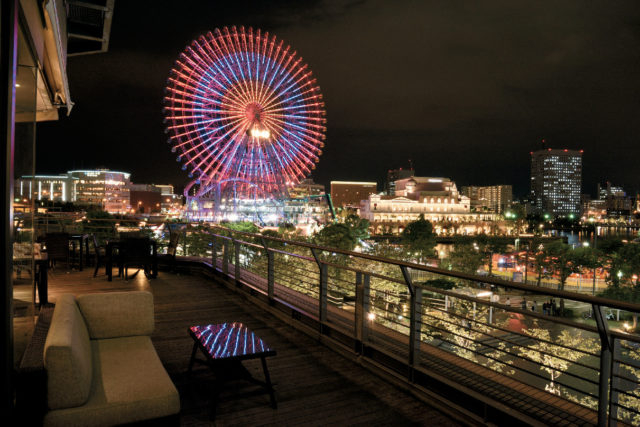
{"x":465,"y":89}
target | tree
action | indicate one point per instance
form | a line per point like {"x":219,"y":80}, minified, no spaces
{"x":465,"y":257}
{"x":418,"y":237}
{"x":243,"y":226}
{"x":489,"y":246}
{"x":359,"y":226}
{"x":339,"y":236}
{"x":621,"y":260}
{"x":561,"y":259}
{"x":555,"y":354}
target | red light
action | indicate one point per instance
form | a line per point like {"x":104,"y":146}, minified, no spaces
{"x":565,"y":150}
{"x":548,"y":149}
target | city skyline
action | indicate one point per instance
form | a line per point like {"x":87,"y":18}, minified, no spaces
{"x":398,"y":85}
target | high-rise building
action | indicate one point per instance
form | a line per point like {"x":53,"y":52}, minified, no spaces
{"x":556,"y":181}
{"x":492,"y":198}
{"x":394,"y":175}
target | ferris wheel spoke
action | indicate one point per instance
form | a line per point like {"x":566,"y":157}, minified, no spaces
{"x":222,"y":85}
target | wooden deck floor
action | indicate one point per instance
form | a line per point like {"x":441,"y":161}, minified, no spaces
{"x":314,"y":385}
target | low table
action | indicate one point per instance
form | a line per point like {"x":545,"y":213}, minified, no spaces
{"x":225,"y":346}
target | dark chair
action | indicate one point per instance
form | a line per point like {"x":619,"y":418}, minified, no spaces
{"x":172,"y":248}
{"x":136,"y":252}
{"x":57,"y":245}
{"x":99,"y":253}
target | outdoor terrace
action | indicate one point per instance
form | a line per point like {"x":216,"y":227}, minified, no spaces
{"x":459,"y":349}
{"x":313,"y":384}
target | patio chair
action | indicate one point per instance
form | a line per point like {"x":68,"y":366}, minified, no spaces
{"x":57,"y":245}
{"x":172,"y":248}
{"x":135,"y":252}
{"x":99,"y":252}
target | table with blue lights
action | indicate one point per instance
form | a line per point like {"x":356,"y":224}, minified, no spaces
{"x":225,"y":346}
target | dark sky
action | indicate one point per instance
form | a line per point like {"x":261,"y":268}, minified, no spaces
{"x":465,"y":89}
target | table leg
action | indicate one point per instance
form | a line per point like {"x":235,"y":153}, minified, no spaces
{"x":267,"y":379}
{"x":154,"y":266}
{"x":86,"y":250}
{"x":108,"y":262}
{"x":80,"y":253}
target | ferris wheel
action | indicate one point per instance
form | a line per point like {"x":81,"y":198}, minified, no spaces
{"x":244,"y":113}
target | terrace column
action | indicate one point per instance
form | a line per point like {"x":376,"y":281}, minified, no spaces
{"x":8,"y":53}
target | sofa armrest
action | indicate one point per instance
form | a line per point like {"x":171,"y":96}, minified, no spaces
{"x":117,"y":314}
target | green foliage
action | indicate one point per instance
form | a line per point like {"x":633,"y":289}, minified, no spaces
{"x":197,"y":241}
{"x":243,"y":226}
{"x":99,"y":222}
{"x":359,"y":226}
{"x":622,"y":261}
{"x":418,"y":237}
{"x":441,"y":283}
{"x":465,"y":257}
{"x":339,"y":236}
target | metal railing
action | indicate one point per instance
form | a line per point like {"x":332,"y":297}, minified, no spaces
{"x":466,"y":336}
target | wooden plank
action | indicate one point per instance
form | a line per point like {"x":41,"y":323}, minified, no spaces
{"x":313,"y":384}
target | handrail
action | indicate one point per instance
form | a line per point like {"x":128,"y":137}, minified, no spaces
{"x":606,"y":302}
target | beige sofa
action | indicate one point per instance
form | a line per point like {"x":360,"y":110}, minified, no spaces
{"x":102,"y":368}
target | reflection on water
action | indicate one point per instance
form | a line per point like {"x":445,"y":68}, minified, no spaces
{"x":579,"y":237}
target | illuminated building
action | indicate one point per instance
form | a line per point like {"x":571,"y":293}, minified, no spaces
{"x":102,"y":187}
{"x":56,"y":188}
{"x":171,"y":203}
{"x":493,"y":198}
{"x":306,"y":188}
{"x":437,"y":199}
{"x":556,"y":181}
{"x":350,"y":193}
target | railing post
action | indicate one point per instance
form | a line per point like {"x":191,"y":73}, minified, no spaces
{"x":615,"y":383}
{"x":225,"y":257}
{"x":606,"y":348}
{"x":415,"y":322}
{"x":362,"y":309}
{"x":322,"y":288}
{"x":236,"y":263}
{"x":214,"y":252}
{"x":270,"y":275}
{"x":270,"y":271}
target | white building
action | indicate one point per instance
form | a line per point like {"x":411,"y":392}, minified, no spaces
{"x":437,"y":199}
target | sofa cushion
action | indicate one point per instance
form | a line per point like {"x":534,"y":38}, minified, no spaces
{"x":130,"y":384}
{"x":118,"y":314}
{"x":67,"y":356}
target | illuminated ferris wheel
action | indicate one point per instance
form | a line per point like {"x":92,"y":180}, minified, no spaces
{"x":244,"y":114}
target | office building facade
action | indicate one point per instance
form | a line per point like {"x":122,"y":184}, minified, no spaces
{"x":492,"y":198}
{"x":556,"y":181}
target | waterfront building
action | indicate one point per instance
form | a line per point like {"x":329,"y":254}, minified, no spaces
{"x":350,"y":193}
{"x":556,"y":181}
{"x":437,"y":199}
